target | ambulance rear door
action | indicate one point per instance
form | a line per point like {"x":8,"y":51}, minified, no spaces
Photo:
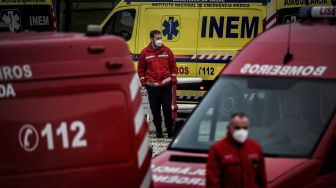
{"x":223,"y":29}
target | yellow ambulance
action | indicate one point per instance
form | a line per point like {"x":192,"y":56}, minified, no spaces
{"x":28,"y":15}
{"x":204,"y":35}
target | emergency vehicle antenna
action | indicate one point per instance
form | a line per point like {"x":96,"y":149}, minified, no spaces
{"x":288,"y":56}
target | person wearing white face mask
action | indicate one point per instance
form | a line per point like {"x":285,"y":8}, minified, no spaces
{"x":157,"y":72}
{"x":236,"y":161}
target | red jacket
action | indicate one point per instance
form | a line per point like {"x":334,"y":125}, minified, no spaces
{"x":231,"y":164}
{"x":157,"y":67}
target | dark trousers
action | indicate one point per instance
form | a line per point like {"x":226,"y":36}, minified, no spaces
{"x":161,"y":96}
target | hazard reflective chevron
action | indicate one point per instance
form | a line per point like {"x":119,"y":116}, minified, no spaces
{"x":147,"y":180}
{"x":214,"y":55}
{"x":271,"y":17}
{"x":190,"y":95}
{"x":134,"y":86}
{"x":142,"y":151}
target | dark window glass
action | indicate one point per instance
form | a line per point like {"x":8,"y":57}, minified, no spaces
{"x":287,"y":116}
{"x":121,"y":24}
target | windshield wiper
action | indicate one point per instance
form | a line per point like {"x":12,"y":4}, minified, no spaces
{"x":188,"y":150}
{"x":188,"y":159}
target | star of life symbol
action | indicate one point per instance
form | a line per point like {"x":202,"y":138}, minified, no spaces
{"x":170,"y":30}
{"x":11,"y":17}
{"x":28,"y":138}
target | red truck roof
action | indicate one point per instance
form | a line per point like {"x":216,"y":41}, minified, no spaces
{"x":312,"y":48}
{"x":69,"y":54}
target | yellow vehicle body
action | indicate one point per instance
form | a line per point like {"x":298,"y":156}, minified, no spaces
{"x":26,"y":2}
{"x":204,"y":35}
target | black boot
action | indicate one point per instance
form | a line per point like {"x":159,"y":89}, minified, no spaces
{"x":159,"y":132}
{"x":159,"y":135}
{"x":170,"y":131}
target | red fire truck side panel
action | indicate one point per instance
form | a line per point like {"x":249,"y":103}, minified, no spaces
{"x":70,"y":113}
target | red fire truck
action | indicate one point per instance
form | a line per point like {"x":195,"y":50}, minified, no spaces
{"x":285,"y":81}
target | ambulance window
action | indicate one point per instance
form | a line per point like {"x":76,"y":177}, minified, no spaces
{"x":121,"y":24}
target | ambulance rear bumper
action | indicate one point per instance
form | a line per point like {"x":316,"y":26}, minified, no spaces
{"x":186,"y":108}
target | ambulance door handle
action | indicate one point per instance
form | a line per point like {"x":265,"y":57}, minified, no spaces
{"x":113,"y":65}
{"x":96,"y":49}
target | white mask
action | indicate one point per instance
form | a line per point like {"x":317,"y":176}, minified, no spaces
{"x":240,"y":135}
{"x":158,"y":42}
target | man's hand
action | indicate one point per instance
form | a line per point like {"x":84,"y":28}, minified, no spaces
{"x":174,"y":80}
{"x":143,"y":82}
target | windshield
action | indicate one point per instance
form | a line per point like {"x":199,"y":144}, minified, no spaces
{"x":287,"y":116}
{"x":121,"y":24}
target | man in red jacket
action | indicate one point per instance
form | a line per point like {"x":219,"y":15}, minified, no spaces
{"x":236,"y":161}
{"x":157,"y":72}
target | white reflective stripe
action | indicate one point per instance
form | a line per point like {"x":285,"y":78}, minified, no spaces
{"x":146,"y":182}
{"x":166,"y":80}
{"x":270,"y":15}
{"x":189,"y":80}
{"x":162,"y":55}
{"x":186,"y":106}
{"x":173,"y":74}
{"x":219,"y":55}
{"x":152,"y":83}
{"x":203,"y":55}
{"x":211,"y":55}
{"x":139,"y":119}
{"x":141,"y":78}
{"x":148,"y":57}
{"x":143,"y":150}
{"x":195,"y":55}
{"x":270,"y":3}
{"x":134,"y":86}
{"x":271,"y":23}
{"x":227,"y":55}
